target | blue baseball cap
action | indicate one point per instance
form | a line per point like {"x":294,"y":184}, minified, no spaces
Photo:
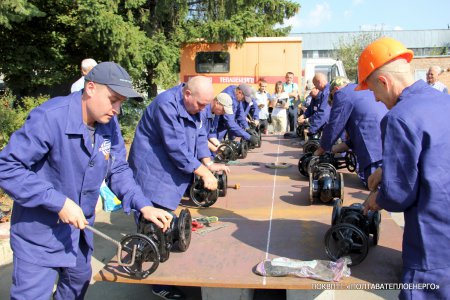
{"x":115,"y":77}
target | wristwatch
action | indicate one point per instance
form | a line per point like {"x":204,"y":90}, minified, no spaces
{"x":209,"y":163}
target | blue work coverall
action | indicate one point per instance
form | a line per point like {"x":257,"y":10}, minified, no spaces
{"x":318,"y":111}
{"x":232,"y":123}
{"x":252,"y":109}
{"x":167,"y":148}
{"x":359,"y":115}
{"x":49,"y":159}
{"x":416,"y":181}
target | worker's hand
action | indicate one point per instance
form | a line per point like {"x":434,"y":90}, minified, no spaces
{"x":210,"y":181}
{"x":374,"y":179}
{"x":301,"y":119}
{"x":371,"y":202}
{"x":72,"y":214}
{"x":256,"y":122}
{"x":159,"y":217}
{"x":219,"y":167}
{"x":319,"y":151}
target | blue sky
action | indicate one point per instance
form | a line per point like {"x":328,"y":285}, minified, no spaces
{"x":355,"y":15}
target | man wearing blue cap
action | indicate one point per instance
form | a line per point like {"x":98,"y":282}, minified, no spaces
{"x":358,"y":114}
{"x":53,"y":168}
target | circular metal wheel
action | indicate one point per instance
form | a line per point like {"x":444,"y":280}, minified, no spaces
{"x":225,"y":153}
{"x":311,"y":146}
{"x":202,"y":196}
{"x":223,"y":184}
{"x":350,"y":161}
{"x":337,"y":206}
{"x":184,"y":228}
{"x":341,"y":182}
{"x":243,"y":149}
{"x":313,"y":161}
{"x":303,"y":163}
{"x":311,"y":192}
{"x":299,"y":131}
{"x":346,"y":240}
{"x":147,"y":257}
{"x":375,"y":227}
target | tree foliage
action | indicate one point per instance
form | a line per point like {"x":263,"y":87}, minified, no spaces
{"x":349,"y":49}
{"x":43,"y":41}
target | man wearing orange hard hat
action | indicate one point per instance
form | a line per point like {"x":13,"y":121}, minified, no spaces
{"x":416,"y":162}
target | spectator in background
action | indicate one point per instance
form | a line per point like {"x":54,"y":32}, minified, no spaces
{"x":291,"y":88}
{"x":86,"y":65}
{"x":262,"y":99}
{"x":280,"y":103}
{"x":433,"y":79}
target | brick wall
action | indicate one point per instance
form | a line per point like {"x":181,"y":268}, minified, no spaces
{"x":420,"y":65}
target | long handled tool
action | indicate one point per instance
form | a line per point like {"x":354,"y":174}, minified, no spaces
{"x":120,"y":248}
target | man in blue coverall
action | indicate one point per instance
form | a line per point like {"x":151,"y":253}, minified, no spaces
{"x":235,"y":125}
{"x":170,"y":145}
{"x":359,"y":115}
{"x":221,"y":105}
{"x":416,"y":162}
{"x":52,"y":168}
{"x":318,"y":112}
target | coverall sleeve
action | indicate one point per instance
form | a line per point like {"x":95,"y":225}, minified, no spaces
{"x":401,"y":151}
{"x":173,"y":131}
{"x":339,"y":114}
{"x":241,"y":116}
{"x":255,"y":110}
{"x":310,"y":109}
{"x":120,"y":177}
{"x":202,"y":144}
{"x":321,"y":116}
{"x":234,"y":129}
{"x":26,"y":148}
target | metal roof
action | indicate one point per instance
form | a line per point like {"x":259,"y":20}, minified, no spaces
{"x":410,"y":38}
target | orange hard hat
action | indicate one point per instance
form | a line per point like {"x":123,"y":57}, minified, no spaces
{"x":377,"y":54}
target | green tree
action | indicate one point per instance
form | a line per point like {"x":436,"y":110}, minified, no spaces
{"x":349,"y":49}
{"x":144,"y":36}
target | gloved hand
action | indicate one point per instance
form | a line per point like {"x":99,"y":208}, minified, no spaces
{"x":253,"y":140}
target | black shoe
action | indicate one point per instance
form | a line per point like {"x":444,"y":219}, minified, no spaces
{"x":167,"y":292}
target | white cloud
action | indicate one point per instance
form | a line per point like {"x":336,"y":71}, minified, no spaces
{"x":357,"y":2}
{"x":319,"y":14}
{"x":378,"y":27}
{"x":348,"y":13}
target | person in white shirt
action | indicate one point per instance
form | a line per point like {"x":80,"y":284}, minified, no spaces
{"x":432,"y":79}
{"x":262,"y":99}
{"x":86,"y":65}
{"x":280,"y":103}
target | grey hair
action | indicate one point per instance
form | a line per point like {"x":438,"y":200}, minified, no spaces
{"x":436,"y":68}
{"x":87,"y":64}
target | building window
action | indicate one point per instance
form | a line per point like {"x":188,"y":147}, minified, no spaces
{"x":212,"y":62}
